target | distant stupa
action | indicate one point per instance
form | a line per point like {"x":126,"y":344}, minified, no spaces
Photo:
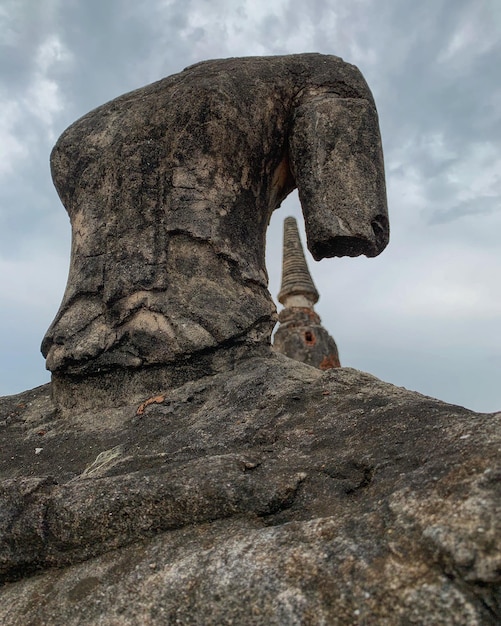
{"x":301,"y":335}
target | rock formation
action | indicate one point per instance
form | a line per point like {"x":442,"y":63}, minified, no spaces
{"x":249,"y":488}
{"x":170,"y":189}
{"x":301,"y":335}
{"x":270,"y":494}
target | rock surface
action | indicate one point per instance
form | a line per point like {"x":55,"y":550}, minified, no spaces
{"x":170,"y":189}
{"x":187,"y":473}
{"x":269,"y":493}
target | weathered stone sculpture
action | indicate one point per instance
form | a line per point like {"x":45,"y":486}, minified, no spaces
{"x":170,"y":189}
{"x":269,"y":494}
{"x":301,"y":335}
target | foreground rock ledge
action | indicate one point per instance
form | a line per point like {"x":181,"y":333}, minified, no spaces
{"x":270,"y":494}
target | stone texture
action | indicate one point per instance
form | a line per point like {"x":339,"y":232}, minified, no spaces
{"x":270,"y":493}
{"x":177,"y":470}
{"x":300,"y":334}
{"x":302,"y":337}
{"x":170,"y":189}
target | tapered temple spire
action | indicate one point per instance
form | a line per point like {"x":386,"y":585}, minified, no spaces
{"x":296,"y":278}
{"x":301,"y":335}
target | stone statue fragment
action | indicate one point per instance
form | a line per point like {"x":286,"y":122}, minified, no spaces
{"x":170,"y":189}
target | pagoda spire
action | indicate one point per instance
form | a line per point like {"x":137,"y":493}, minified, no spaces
{"x":301,"y":335}
{"x":296,"y":277}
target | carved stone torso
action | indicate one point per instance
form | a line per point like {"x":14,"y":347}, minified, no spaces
{"x":170,"y":189}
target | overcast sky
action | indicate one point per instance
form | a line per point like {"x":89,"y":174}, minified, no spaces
{"x":425,"y":314}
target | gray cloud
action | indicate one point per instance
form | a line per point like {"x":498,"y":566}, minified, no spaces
{"x":486,"y":205}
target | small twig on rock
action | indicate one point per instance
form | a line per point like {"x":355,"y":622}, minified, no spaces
{"x":153,"y":400}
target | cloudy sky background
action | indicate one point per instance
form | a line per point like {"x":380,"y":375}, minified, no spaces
{"x":426,"y":314}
